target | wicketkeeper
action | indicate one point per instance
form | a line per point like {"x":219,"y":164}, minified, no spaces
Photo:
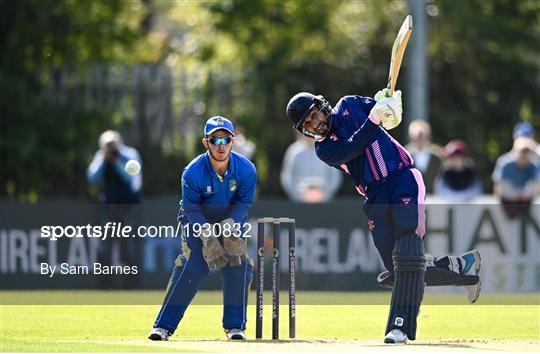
{"x":218,"y":187}
{"x":352,"y":137}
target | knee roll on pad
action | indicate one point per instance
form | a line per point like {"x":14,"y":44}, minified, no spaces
{"x":409,"y":283}
{"x":408,"y":255}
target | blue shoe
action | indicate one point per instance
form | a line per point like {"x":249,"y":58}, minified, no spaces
{"x":471,"y":261}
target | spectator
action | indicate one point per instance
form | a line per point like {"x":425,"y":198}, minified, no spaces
{"x":107,"y":168}
{"x":518,"y":178}
{"x":117,"y":187}
{"x":457,"y":180}
{"x":304,"y":177}
{"x":242,"y":145}
{"x":425,"y":154}
{"x":521,"y":130}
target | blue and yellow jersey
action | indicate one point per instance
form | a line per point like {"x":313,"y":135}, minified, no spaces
{"x":210,"y":198}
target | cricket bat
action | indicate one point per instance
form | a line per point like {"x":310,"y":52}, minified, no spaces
{"x":398,"y":51}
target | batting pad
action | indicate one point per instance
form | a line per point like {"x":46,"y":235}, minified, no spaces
{"x":409,"y":269}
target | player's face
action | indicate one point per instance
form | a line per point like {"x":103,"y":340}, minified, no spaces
{"x":219,"y":145}
{"x":316,"y":122}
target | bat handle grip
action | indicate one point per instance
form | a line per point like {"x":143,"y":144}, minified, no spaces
{"x":390,"y":89}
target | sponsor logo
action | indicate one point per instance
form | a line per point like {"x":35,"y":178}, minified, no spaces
{"x":406,"y":201}
{"x":232,"y":185}
{"x":398,"y":322}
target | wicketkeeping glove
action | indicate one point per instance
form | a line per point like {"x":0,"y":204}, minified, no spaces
{"x":234,"y":246}
{"x":236,"y":250}
{"x":388,"y":110}
{"x":213,"y":253}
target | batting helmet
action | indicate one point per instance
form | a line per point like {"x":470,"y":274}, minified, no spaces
{"x":301,"y":103}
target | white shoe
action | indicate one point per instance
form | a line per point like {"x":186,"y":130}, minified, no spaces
{"x":235,"y":334}
{"x":159,"y":334}
{"x":396,"y":336}
{"x":473,"y":292}
{"x":471,"y":265}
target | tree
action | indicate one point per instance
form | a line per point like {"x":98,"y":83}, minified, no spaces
{"x":43,"y":139}
{"x":484,"y":73}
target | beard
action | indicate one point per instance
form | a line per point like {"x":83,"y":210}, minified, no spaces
{"x":322,"y":129}
{"x":219,"y":157}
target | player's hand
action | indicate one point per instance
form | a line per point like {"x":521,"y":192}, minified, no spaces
{"x":213,"y":253}
{"x":235,"y":247}
{"x":236,"y":250}
{"x":388,"y":111}
{"x":384,"y":93}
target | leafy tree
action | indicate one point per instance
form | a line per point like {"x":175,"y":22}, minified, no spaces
{"x":328,"y":47}
{"x":42,"y":140}
{"x":484,"y":69}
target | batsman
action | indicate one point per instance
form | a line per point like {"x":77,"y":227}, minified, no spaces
{"x":352,"y":137}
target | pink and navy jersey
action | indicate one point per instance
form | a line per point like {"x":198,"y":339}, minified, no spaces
{"x":359,"y":147}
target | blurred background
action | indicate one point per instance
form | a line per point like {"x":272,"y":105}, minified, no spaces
{"x":156,"y":70}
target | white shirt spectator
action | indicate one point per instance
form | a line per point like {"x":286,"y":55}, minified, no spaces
{"x":304,"y":177}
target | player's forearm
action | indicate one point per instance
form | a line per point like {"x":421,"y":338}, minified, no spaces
{"x":194,"y":215}
{"x":239,"y":212}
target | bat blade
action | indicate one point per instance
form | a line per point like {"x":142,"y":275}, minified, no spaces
{"x":398,"y":51}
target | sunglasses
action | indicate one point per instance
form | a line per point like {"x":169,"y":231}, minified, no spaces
{"x":220,"y":141}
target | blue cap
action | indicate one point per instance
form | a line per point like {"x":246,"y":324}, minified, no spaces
{"x":218,"y":123}
{"x":523,"y":129}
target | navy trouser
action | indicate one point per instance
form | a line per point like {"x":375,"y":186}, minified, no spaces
{"x":189,"y":272}
{"x":395,"y":207}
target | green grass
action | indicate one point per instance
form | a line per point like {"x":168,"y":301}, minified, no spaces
{"x":112,"y":328}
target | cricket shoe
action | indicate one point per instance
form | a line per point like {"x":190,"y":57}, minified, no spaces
{"x":471,"y":263}
{"x":235,"y":334}
{"x":396,"y":336}
{"x":159,"y":334}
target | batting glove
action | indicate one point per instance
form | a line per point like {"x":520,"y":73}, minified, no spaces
{"x":388,"y":111}
{"x":384,"y":93}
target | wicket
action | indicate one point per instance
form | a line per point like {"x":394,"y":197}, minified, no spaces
{"x":276,"y":222}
